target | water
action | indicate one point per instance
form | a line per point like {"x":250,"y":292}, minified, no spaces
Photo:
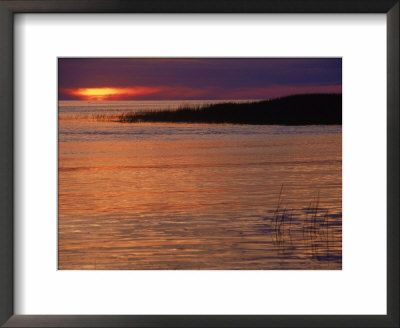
{"x":196,"y":196}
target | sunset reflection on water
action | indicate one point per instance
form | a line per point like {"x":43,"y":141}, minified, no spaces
{"x":190,"y":196}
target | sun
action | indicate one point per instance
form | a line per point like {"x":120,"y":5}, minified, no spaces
{"x":109,"y":93}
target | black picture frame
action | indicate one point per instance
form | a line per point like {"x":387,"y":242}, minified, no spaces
{"x":10,"y":7}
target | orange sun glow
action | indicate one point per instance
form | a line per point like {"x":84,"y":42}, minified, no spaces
{"x":110,"y":93}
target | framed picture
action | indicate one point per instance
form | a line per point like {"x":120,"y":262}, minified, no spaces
{"x":189,"y":169}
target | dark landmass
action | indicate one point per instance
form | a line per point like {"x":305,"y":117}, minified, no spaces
{"x":292,"y":110}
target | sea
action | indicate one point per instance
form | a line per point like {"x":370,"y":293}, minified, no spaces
{"x":177,"y":196}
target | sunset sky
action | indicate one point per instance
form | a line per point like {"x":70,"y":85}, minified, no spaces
{"x":198,"y":78}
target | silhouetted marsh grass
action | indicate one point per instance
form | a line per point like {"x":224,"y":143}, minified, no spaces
{"x":107,"y":117}
{"x":314,"y":229}
{"x":291,"y":110}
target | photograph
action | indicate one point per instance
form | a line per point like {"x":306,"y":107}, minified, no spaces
{"x":199,"y":163}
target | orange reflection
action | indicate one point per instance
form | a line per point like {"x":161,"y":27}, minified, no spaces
{"x":201,"y":203}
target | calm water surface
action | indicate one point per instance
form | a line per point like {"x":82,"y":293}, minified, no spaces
{"x":196,"y":196}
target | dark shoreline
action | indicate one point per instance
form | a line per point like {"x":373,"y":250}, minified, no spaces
{"x":307,"y":109}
